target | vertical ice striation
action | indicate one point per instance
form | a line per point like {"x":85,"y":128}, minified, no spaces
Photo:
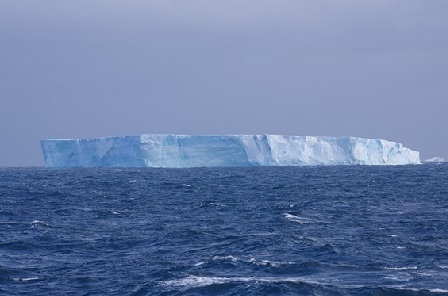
{"x":181,"y":151}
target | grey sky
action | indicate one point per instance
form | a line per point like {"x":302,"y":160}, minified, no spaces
{"x":89,"y":68}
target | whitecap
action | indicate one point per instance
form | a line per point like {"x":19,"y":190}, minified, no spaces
{"x":200,"y":281}
{"x":25,"y":279}
{"x":196,"y":281}
{"x":400,"y":277}
{"x":297,"y":219}
{"x":401,"y":268}
{"x":437,"y":290}
{"x":228,"y":257}
{"x":269,"y":263}
{"x":193,"y":281}
{"x":433,"y":290}
{"x":253,"y":261}
{"x":38,"y":222}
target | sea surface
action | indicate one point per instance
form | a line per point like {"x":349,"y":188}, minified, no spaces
{"x":342,"y":230}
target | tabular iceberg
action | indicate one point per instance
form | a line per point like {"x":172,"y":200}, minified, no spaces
{"x":183,"y":151}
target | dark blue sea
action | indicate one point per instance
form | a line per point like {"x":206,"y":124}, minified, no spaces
{"x":343,"y":230}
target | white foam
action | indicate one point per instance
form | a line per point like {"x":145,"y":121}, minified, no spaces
{"x":193,"y":281}
{"x":438,"y":290}
{"x":401,"y":268}
{"x":297,"y":219}
{"x":25,"y":279}
{"x":38,"y":222}
{"x":251,"y":260}
{"x":196,"y":281}
{"x":434,"y":290}
{"x":200,"y":281}
{"x":269,"y":263}
{"x":228,"y":257}
{"x":400,"y":277}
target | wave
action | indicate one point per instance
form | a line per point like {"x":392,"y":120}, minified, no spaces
{"x":402,"y":277}
{"x":228,"y":257}
{"x":410,"y":289}
{"x":438,"y":290}
{"x":251,"y":260}
{"x":25,"y":279}
{"x":37,"y":223}
{"x":401,"y":268}
{"x":192,"y":281}
{"x":269,"y":263}
{"x":297,"y":219}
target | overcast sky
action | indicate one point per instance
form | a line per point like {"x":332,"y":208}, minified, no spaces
{"x":90,"y":68}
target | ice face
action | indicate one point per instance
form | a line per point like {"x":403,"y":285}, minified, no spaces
{"x":182,"y":151}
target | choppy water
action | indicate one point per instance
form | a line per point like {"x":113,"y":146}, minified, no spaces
{"x":239,"y":231}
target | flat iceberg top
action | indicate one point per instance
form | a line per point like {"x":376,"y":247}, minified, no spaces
{"x":182,"y":151}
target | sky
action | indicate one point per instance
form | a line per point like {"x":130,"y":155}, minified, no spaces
{"x":93,"y":68}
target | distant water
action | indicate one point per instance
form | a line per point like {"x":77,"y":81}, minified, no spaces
{"x":351,"y":230}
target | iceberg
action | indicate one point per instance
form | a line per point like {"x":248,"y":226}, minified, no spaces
{"x":435,"y":159}
{"x":185,"y":151}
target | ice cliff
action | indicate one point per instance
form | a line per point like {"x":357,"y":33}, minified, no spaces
{"x":182,"y":151}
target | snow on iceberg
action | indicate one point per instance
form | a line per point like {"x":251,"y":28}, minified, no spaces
{"x":182,"y":151}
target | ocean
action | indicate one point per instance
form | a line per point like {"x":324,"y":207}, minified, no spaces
{"x":341,"y":230}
